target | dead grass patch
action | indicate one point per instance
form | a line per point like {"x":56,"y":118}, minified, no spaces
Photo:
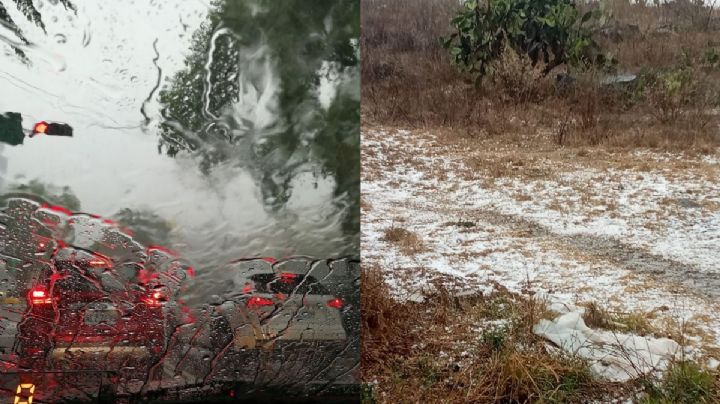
{"x":649,"y":323}
{"x":469,"y":348}
{"x":365,"y":205}
{"x":408,"y":242}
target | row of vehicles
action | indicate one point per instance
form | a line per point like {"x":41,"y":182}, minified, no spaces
{"x":94,"y":306}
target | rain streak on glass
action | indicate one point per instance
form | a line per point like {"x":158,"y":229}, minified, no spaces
{"x":179,"y":199}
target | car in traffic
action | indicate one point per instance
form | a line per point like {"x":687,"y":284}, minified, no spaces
{"x":83,"y":295}
{"x":288,"y":305}
{"x":86,"y":314}
{"x":91,"y":306}
{"x":259,"y":312}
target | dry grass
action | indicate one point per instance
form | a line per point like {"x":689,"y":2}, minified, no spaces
{"x":596,"y":316}
{"x":463,"y":349}
{"x":408,"y":242}
{"x":481,"y":349}
{"x":407,"y":80}
{"x":365,"y":205}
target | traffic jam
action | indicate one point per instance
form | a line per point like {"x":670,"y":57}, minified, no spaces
{"x":89,"y":313}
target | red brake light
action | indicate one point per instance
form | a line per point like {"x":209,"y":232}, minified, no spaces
{"x":40,"y":127}
{"x":335,"y":303}
{"x":57,"y":209}
{"x":155,"y":299}
{"x":100,"y":262}
{"x":39,"y":296}
{"x":255,"y":302}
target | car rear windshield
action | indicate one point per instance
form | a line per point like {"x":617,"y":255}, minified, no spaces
{"x":77,"y":280}
{"x":288,"y":283}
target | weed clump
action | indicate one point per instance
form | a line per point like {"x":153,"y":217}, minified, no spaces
{"x":684,"y":383}
{"x":470,"y":348}
{"x":409,"y":242}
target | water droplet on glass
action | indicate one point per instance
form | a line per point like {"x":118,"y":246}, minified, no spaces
{"x":87,"y":37}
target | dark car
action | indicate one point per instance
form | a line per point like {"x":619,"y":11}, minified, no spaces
{"x":87,"y":314}
{"x":88,"y":297}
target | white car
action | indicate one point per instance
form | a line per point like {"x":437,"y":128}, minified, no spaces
{"x":257,"y":310}
{"x":289,"y":305}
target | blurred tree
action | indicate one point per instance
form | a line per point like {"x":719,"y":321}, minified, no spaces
{"x":31,"y":13}
{"x":147,"y":227}
{"x":273,"y":86}
{"x":43,"y":193}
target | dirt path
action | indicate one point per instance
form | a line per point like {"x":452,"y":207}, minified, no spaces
{"x":619,"y":254}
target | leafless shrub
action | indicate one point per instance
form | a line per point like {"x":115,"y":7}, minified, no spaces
{"x":517,"y":80}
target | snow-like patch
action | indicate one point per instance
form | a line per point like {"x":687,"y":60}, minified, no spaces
{"x":613,"y":356}
{"x":411,"y":180}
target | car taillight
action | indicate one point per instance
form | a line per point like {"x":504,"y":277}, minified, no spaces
{"x":256,"y":302}
{"x":287,"y":277}
{"x":100,"y":262}
{"x":39,"y":296}
{"x":155,"y":299}
{"x":335,"y":303}
{"x":44,"y":245}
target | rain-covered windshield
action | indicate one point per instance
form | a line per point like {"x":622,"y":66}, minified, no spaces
{"x":179,"y":209}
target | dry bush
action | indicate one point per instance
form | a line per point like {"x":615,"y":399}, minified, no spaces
{"x":392,"y":28}
{"x":515,"y":78}
{"x":408,"y":80}
{"x":677,"y":15}
{"x":682,"y":95}
{"x":672,"y":109}
{"x":597,"y":317}
{"x":405,"y":25}
{"x":403,"y":341}
{"x":406,"y":76}
{"x":386,"y":326}
{"x":688,"y":15}
{"x":481,"y":349}
{"x":585,"y":99}
{"x":660,"y":35}
{"x":408,"y":242}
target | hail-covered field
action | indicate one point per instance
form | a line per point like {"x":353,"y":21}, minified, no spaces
{"x":632,"y":231}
